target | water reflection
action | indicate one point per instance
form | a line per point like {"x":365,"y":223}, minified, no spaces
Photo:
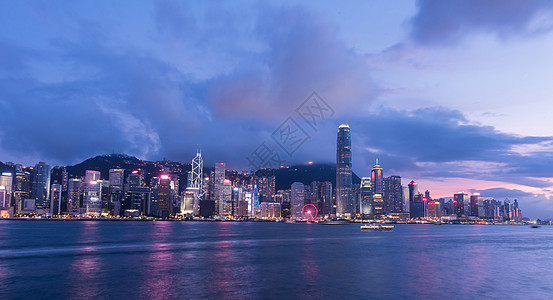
{"x":85,"y":270}
{"x":160,"y":273}
{"x":310,"y":271}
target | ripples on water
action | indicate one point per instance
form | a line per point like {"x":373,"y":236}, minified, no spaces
{"x":40,"y":259}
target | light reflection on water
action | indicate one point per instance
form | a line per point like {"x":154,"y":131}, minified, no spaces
{"x":270,"y":260}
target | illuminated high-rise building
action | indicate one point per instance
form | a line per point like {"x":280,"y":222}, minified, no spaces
{"x":476,"y":205}
{"x":344,"y":197}
{"x":22,"y":187}
{"x":197,"y":181}
{"x":135,"y":179}
{"x":6,"y":181}
{"x":218,"y":186}
{"x":378,"y":204}
{"x":377,"y":178}
{"x":74,"y":195}
{"x":164,"y":196}
{"x":297,"y":199}
{"x":459,"y":201}
{"x":393,"y":195}
{"x":41,"y":186}
{"x":366,"y":196}
{"x":55,"y":199}
{"x":227,"y":199}
{"x":416,"y":204}
{"x":116,"y":177}
{"x":92,"y":198}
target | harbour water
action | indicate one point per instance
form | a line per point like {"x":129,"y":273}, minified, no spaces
{"x":223,"y":260}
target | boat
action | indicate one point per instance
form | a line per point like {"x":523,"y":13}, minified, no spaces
{"x":377,"y":227}
{"x":335,"y":222}
{"x":535,"y":226}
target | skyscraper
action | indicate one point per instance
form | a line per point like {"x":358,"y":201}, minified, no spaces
{"x":377,"y":178}
{"x":416,"y":205}
{"x":41,"y":186}
{"x":459,"y":200}
{"x":74,"y":195}
{"x":6,"y":181}
{"x":297,"y":199}
{"x":393,"y":194}
{"x":366,"y":196}
{"x":164,"y":196}
{"x":92,"y":193}
{"x":344,"y":197}
{"x":116,"y":177}
{"x":197,"y":181}
{"x":476,"y":205}
{"x":218,"y":186}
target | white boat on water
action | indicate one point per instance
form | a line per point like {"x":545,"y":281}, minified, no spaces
{"x":377,"y":227}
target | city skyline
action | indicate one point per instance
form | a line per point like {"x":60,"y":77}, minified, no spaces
{"x":452,"y":96}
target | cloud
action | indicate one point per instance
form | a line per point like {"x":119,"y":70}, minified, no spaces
{"x":436,"y":142}
{"x":447,"y":22}
{"x":301,"y":52}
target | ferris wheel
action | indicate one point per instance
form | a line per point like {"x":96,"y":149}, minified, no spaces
{"x":309,"y":212}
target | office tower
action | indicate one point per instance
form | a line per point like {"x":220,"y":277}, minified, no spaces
{"x":55,"y":199}
{"x":22,"y":187}
{"x":459,"y":201}
{"x":164,"y":196}
{"x":41,"y":186}
{"x":3,"y":197}
{"x":270,"y":210}
{"x":266,"y":186}
{"x":413,"y":191}
{"x":405,"y":197}
{"x":226,"y":199}
{"x":136,"y":201}
{"x":116,"y":177}
{"x":218,"y":186}
{"x":255,"y":201}
{"x":297,"y":199}
{"x":325,"y":190}
{"x":476,"y":205}
{"x":377,"y":178}
{"x":197,"y":179}
{"x":393,"y":195}
{"x":6,"y":181}
{"x":187,"y":201}
{"x":356,"y":195}
{"x":92,"y":201}
{"x":507,"y":210}
{"x":517,"y":213}
{"x":434,"y":209}
{"x":366,"y":196}
{"x":105,"y":197}
{"x":74,"y":195}
{"x":135,"y":179}
{"x":175,"y":193}
{"x":321,"y":197}
{"x":344,"y":197}
{"x":378,"y":204}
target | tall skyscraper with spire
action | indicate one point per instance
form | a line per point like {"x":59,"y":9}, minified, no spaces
{"x":344,"y":197}
{"x":377,"y":178}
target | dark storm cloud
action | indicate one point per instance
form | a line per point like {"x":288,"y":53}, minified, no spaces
{"x":447,"y":22}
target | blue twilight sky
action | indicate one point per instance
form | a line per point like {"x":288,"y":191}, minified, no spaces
{"x":453,"y":94}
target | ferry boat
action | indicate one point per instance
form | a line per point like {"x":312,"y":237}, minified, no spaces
{"x":377,"y":227}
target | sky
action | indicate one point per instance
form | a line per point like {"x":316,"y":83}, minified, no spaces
{"x":455,"y":95}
